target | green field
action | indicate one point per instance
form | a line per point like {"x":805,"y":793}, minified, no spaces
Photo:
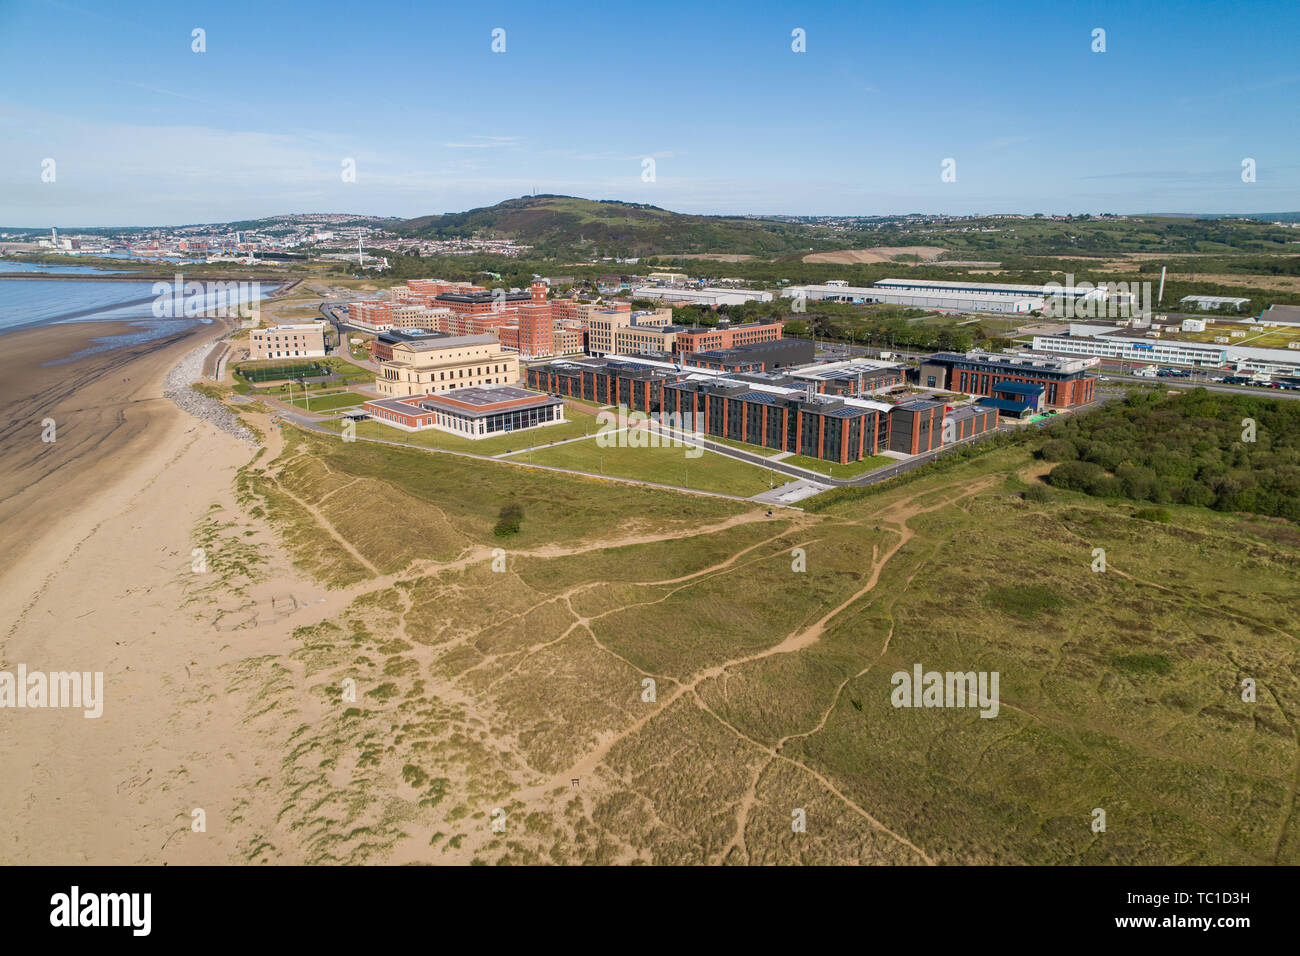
{"x":576,"y":425}
{"x":745,"y":446}
{"x":834,"y":469}
{"x":668,"y":466}
{"x":330,"y":401}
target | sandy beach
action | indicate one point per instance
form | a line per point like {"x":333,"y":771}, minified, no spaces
{"x":96,"y":533}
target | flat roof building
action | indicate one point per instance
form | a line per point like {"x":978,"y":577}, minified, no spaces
{"x":303,"y":340}
{"x":429,"y":366}
{"x":381,"y":347}
{"x":1106,"y":342}
{"x":939,"y":299}
{"x":707,"y":296}
{"x":605,"y":325}
{"x":757,"y":357}
{"x":474,"y":412}
{"x":1214,"y":301}
{"x":727,"y":336}
{"x":773,"y":409}
{"x":1066,"y":382}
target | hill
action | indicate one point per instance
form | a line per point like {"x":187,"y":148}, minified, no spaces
{"x":566,"y":223}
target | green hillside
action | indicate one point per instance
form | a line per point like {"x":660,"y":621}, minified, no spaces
{"x":556,"y":223}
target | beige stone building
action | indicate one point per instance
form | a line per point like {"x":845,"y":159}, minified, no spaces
{"x":304,"y":340}
{"x":430,"y":366}
{"x":639,"y":338}
{"x":602,"y":327}
{"x":414,"y":315}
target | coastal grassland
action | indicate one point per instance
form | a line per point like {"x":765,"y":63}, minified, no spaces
{"x":663,"y":651}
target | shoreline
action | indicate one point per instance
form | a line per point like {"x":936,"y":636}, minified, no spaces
{"x":97,"y":554}
{"x":76,"y":427}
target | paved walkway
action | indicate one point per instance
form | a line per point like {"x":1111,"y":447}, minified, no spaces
{"x":790,"y":492}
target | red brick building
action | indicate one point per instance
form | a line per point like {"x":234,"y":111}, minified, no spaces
{"x":727,"y":336}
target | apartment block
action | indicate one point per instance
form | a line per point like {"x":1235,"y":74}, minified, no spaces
{"x":373,"y":315}
{"x":602,"y":326}
{"x":414,"y":315}
{"x":728,"y":336}
{"x":304,"y":340}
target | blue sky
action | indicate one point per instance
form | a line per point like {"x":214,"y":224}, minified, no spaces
{"x":145,"y":131}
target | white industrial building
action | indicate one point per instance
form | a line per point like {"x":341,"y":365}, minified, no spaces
{"x":1213,"y":301}
{"x":954,"y":301}
{"x":1070,"y":290}
{"x":1098,"y":340}
{"x":709,"y":296}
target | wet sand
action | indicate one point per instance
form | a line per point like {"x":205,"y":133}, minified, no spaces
{"x":96,"y":530}
{"x":103,"y":406}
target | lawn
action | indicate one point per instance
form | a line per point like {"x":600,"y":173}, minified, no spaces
{"x":577,"y":425}
{"x":663,"y":465}
{"x":745,"y":446}
{"x":330,"y":401}
{"x":836,"y":470}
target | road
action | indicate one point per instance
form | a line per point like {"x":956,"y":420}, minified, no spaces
{"x":1187,"y":383}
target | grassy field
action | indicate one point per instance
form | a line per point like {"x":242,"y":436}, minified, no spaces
{"x":576,"y":425}
{"x":834,"y":469}
{"x":664,"y":465}
{"x":330,"y":401}
{"x":745,"y":446}
{"x":1121,"y":688}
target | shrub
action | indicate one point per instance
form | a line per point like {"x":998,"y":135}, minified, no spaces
{"x":1038,"y":493}
{"x":509,"y":520}
{"x":1058,"y":449}
{"x":1023,"y":600}
{"x":1078,"y":476}
{"x":1143,"y":663}
{"x":1154,"y":514}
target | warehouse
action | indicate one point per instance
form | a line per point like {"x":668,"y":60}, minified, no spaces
{"x":1001,"y":289}
{"x":1104,"y":342}
{"x":952,"y":301}
{"x":1208,"y":302}
{"x":709,"y":297}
